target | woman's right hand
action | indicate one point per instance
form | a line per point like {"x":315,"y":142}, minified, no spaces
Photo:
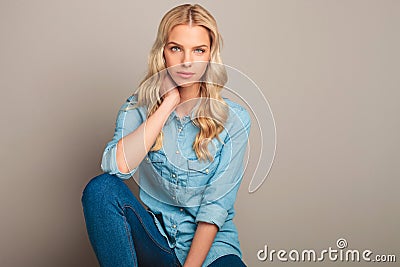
{"x":132,"y":148}
{"x":169,"y":91}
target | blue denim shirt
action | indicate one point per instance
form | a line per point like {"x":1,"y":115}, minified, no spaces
{"x":181,"y":189}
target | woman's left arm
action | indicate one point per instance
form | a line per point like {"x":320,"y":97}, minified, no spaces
{"x":219,"y":195}
{"x":201,"y":244}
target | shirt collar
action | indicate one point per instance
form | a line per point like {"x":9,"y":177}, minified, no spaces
{"x":184,"y":119}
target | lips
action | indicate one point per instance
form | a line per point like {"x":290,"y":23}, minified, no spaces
{"x":185,"y":74}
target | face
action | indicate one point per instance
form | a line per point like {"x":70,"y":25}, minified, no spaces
{"x":187,"y":53}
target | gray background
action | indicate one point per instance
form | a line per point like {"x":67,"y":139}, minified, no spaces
{"x":329,"y":69}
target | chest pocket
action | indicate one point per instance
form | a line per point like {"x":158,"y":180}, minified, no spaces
{"x":157,"y":159}
{"x":199,"y":172}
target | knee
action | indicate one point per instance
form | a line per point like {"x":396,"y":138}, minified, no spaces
{"x":99,"y":187}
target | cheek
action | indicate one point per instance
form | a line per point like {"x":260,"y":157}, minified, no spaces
{"x":201,"y":67}
{"x":169,"y":60}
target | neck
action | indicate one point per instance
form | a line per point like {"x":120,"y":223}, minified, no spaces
{"x":189,"y":92}
{"x":186,"y":93}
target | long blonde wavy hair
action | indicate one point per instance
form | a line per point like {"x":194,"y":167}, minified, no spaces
{"x":212,"y":113}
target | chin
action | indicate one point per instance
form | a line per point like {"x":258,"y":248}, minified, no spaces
{"x":184,"y":85}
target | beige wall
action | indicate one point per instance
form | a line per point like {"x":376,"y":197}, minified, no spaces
{"x":329,"y":70}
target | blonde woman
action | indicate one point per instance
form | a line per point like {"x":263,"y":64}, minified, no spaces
{"x":187,"y":144}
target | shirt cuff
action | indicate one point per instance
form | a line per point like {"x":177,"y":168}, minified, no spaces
{"x":109,"y":164}
{"x":212,"y":213}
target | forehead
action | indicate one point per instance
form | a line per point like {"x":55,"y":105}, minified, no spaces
{"x":189,"y":35}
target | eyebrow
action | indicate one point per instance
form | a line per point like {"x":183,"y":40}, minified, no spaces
{"x":181,"y":45}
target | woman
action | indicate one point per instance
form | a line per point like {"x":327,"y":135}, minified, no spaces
{"x":187,"y":143}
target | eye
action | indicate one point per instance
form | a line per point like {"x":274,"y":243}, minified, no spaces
{"x":200,"y":51}
{"x":175,"y":49}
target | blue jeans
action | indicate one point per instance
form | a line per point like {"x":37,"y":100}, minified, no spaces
{"x":122,"y":232}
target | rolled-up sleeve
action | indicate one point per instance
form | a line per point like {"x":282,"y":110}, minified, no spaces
{"x":127,"y":121}
{"x":220,"y":194}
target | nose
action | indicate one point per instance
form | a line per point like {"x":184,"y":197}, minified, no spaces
{"x":187,"y":59}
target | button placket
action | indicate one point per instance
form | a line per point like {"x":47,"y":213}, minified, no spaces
{"x":178,"y":152}
{"x":174,"y":227}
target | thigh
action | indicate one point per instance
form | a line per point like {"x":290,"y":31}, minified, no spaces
{"x":151,"y":247}
{"x":122,"y":231}
{"x":228,"y":260}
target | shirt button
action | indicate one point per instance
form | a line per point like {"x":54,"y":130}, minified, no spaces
{"x":177,"y":152}
{"x":147,"y":158}
{"x":207,"y":171}
{"x":179,"y":129}
{"x":174,"y":175}
{"x":181,"y":209}
{"x":174,"y":226}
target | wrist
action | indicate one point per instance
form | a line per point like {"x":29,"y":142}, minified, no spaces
{"x":169,"y":104}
